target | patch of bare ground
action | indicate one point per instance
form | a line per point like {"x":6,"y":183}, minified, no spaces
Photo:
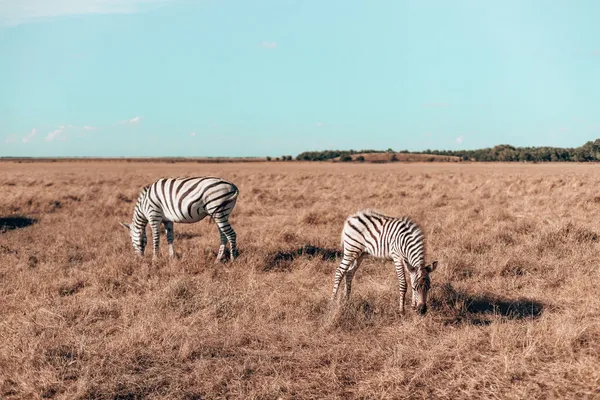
{"x":514,"y":311}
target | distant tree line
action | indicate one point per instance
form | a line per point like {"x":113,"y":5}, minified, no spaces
{"x":325,"y":155}
{"x":504,"y":152}
{"x":282,"y":158}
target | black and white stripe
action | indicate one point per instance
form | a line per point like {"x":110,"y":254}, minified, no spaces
{"x":381,"y":236}
{"x":183,"y":200}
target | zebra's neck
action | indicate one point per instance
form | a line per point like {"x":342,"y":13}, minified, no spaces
{"x":139,"y":221}
{"x":139,"y":215}
{"x":412,"y":243}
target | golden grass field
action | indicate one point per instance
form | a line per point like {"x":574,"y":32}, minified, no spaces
{"x":514,"y":307}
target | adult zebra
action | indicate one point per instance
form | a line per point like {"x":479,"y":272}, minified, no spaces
{"x":399,"y":239}
{"x":184,"y":200}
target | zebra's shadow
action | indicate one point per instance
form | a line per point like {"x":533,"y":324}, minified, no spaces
{"x":460,"y":307}
{"x":184,"y":235}
{"x":15,"y":222}
{"x":281,"y":260}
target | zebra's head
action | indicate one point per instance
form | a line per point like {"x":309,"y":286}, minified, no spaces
{"x":138,"y":238}
{"x":421,"y":283}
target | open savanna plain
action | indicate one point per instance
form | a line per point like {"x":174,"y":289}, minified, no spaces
{"x":514,"y":306}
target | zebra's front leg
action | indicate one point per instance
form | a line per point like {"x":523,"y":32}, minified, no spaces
{"x":170,"y":238}
{"x":155,"y":227}
{"x":401,"y":281}
{"x":414,"y":296}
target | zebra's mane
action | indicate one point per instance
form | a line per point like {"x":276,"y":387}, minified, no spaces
{"x":143,"y":192}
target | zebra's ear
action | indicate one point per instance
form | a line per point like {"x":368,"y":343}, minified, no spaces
{"x":432,"y":267}
{"x":126,"y":226}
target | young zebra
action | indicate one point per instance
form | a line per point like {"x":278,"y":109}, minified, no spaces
{"x":184,"y":200}
{"x":399,"y":239}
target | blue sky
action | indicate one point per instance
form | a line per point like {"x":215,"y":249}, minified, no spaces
{"x":273,"y":77}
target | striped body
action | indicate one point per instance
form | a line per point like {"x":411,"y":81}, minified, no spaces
{"x":398,"y":239}
{"x":184,"y":200}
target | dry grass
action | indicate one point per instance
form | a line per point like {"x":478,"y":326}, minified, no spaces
{"x":515,"y":311}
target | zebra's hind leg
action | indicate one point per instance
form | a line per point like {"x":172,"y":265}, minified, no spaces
{"x":222,"y":246}
{"x":350,"y":275}
{"x":342,"y":270}
{"x":226,"y":229}
{"x":169,"y":228}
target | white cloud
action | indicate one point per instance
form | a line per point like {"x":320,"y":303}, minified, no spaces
{"x":319,"y":123}
{"x":460,"y":139}
{"x":29,"y":137}
{"x":16,"y":12}
{"x":11,"y":139}
{"x":56,"y":134}
{"x":268,"y":45}
{"x":134,"y":120}
{"x":192,"y":134}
